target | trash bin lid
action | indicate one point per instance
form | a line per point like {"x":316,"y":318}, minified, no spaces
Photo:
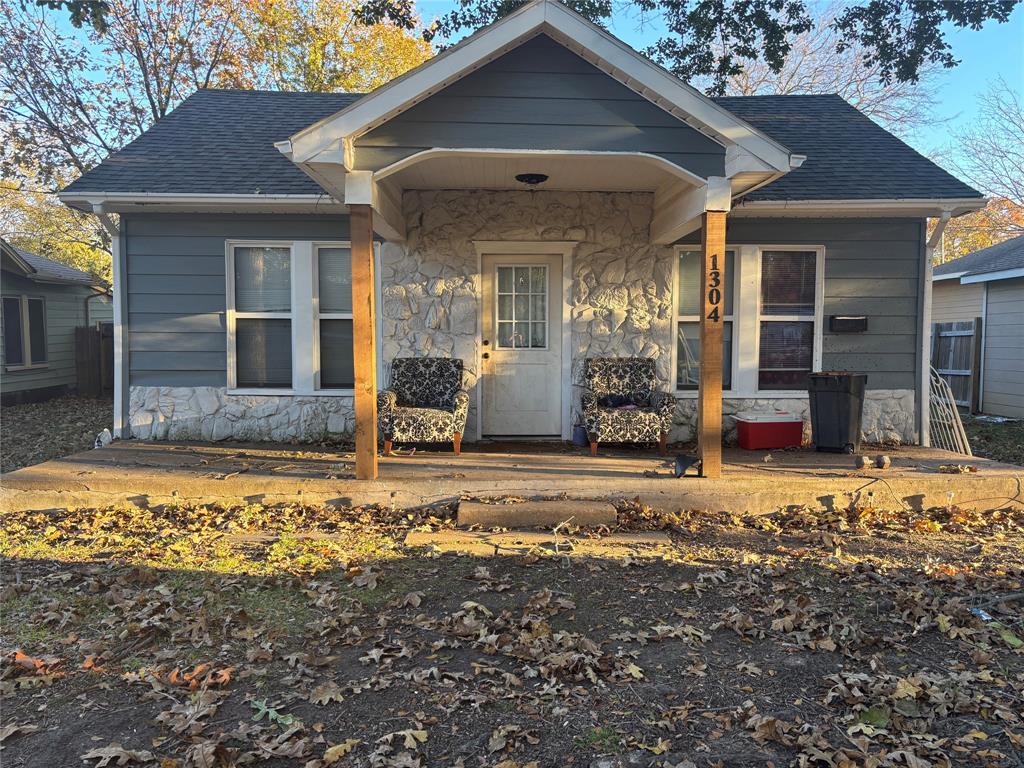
{"x":770,"y":417}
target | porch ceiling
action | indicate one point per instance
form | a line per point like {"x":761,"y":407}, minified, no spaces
{"x":566,"y":171}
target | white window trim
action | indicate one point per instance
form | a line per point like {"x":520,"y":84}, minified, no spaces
{"x":678,"y":318}
{"x":27,"y":363}
{"x":746,"y":320}
{"x":304,"y":317}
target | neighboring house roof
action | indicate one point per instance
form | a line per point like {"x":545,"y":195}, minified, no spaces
{"x":1002,"y":261}
{"x":222,"y":142}
{"x":43,"y":270}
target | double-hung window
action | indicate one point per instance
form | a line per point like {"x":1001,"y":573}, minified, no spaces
{"x":290,"y":317}
{"x":688,"y":307}
{"x":24,"y":319}
{"x":786,"y":318}
{"x":262,"y":339}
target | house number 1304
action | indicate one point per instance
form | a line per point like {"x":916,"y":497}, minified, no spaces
{"x":714,"y":289}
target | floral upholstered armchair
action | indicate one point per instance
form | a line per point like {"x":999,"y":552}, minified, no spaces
{"x":622,"y":403}
{"x":425,"y":403}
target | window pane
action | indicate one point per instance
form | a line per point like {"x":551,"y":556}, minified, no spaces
{"x":504,"y":308}
{"x":505,"y":335}
{"x":522,"y":306}
{"x":13,"y":352}
{"x":538,"y":279}
{"x":263,"y":280}
{"x":688,"y":356}
{"x":263,"y":349}
{"x":786,"y":354}
{"x":690,"y":282}
{"x":787,"y":282}
{"x":537,"y":310}
{"x":37,"y":330}
{"x":336,"y":366}
{"x":539,"y":335}
{"x":504,"y":279}
{"x":522,"y":284}
{"x":522,"y":336}
{"x":334,"y":269}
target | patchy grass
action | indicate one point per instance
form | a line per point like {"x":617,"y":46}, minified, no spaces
{"x":1002,"y":441}
{"x":310,"y":636}
{"x":37,"y":432}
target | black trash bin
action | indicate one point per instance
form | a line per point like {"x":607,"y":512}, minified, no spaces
{"x":837,"y":405}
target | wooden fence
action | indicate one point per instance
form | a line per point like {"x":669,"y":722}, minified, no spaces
{"x":956,"y":357}
{"x":94,"y":360}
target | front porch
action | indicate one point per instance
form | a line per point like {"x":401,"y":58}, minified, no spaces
{"x":161,"y":472}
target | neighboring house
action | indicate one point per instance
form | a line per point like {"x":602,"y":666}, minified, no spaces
{"x":43,"y":302}
{"x":537,"y":194}
{"x":989,"y":284}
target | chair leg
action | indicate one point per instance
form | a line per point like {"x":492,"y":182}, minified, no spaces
{"x":387,"y":447}
{"x":593,"y":447}
{"x":663,"y":443}
{"x":457,"y":443}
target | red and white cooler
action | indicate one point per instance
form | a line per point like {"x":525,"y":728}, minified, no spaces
{"x":776,"y":429}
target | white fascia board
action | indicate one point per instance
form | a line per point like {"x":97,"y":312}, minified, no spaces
{"x":112,"y":202}
{"x":948,"y":276}
{"x":988,"y":277}
{"x":579,"y":35}
{"x":926,"y":207}
{"x":677,"y":212}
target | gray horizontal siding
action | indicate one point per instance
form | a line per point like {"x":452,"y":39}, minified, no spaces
{"x":540,"y":96}
{"x":65,"y":311}
{"x":871,"y":268}
{"x":1004,"y":349}
{"x":176,"y":288}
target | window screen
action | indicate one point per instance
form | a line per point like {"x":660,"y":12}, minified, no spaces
{"x":14,"y":352}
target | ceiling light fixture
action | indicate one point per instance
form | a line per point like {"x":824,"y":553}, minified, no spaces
{"x":532,"y":178}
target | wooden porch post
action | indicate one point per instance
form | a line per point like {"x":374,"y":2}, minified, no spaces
{"x":364,"y":336}
{"x":709,"y":390}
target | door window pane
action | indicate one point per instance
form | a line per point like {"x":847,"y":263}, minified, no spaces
{"x":334,"y":270}
{"x":786,"y":354}
{"x":263,"y":280}
{"x":690,"y":282}
{"x":37,"y":330}
{"x":688,"y":356}
{"x":787,"y":282}
{"x":522,"y":307}
{"x":336,"y":366}
{"x":14,"y":354}
{"x":263,"y":349}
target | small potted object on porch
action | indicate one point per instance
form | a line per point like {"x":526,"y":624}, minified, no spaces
{"x":774,"y":429}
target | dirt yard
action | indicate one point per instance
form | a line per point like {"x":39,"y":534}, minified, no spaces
{"x":312,"y":637}
{"x":37,"y":432}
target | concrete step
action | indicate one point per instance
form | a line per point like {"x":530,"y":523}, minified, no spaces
{"x":489,"y":544}
{"x":536,"y":514}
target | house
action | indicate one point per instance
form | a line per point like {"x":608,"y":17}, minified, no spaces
{"x":989,"y":285}
{"x":536,"y":195}
{"x":43,"y":302}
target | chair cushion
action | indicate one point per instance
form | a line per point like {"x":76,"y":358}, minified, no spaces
{"x":426,"y":382}
{"x":638,"y":425}
{"x":631,"y":377}
{"x":422,"y":425}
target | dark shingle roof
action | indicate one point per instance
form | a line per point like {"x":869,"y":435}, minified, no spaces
{"x":1008,"y":254}
{"x":218,"y":143}
{"x":222,"y":142}
{"x":50,"y":270}
{"x":849,"y":157}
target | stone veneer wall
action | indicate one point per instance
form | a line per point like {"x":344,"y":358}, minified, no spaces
{"x":621,"y":300}
{"x":621,"y":290}
{"x":209,"y":413}
{"x":888,"y":415}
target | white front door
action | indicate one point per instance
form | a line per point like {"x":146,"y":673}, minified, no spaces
{"x":522,"y":345}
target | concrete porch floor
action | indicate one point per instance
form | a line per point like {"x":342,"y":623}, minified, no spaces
{"x":155,"y":472}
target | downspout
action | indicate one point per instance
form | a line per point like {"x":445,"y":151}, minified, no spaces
{"x":120,"y":309}
{"x":934,"y":242}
